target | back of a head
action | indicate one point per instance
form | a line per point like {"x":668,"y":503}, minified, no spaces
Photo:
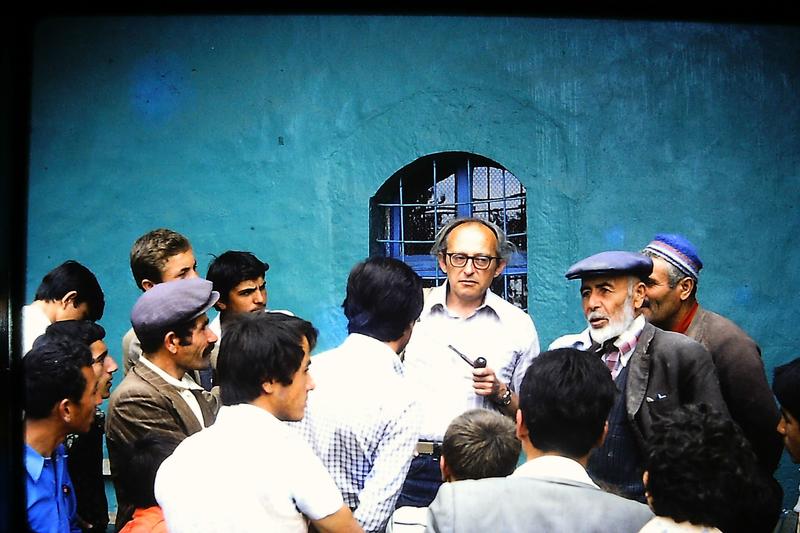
{"x":151,"y":252}
{"x":260,"y":347}
{"x":54,"y":371}
{"x":786,"y":386}
{"x":384,"y":296}
{"x":565,"y":398}
{"x":138,"y":464}
{"x":84,"y":331}
{"x":233,"y":267}
{"x":703,"y":470}
{"x":73,"y":276}
{"x":481,"y":443}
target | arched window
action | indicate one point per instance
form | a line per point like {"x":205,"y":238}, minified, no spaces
{"x":411,"y":206}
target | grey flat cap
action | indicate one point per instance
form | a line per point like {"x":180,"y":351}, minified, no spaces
{"x":172,"y":303}
{"x":614,"y":263}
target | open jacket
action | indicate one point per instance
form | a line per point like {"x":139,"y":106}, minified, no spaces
{"x":145,"y":404}
{"x":668,"y":370}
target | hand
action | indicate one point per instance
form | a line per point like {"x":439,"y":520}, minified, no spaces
{"x":485,"y":383}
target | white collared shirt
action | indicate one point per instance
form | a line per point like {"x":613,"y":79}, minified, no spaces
{"x":185,"y":386}
{"x":262,"y":476}
{"x":34,"y":323}
{"x":498,"y":331}
{"x":554,"y":466}
{"x":361,"y":422}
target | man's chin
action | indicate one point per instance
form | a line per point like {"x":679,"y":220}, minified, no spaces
{"x":601,"y":335}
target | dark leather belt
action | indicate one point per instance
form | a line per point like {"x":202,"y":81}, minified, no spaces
{"x":427,"y":447}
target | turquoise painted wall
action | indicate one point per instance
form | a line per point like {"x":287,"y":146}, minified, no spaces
{"x":271,"y":133}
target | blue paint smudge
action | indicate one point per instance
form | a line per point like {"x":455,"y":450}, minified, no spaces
{"x":743,"y":295}
{"x":159,"y":86}
{"x":615,"y":237}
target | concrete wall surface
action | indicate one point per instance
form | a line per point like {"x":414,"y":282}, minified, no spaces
{"x":271,"y":133}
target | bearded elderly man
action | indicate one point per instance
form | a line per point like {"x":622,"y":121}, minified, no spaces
{"x":654,"y":370}
{"x":671,"y":304}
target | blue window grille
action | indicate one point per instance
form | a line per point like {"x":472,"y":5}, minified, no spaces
{"x":410,"y":207}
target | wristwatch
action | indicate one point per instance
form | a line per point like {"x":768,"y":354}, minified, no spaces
{"x":505,"y":399}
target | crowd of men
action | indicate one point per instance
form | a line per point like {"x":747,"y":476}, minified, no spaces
{"x":437,"y":412}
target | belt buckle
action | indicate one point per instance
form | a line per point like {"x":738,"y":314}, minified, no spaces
{"x":429,"y":448}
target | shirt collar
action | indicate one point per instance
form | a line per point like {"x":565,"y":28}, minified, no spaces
{"x":184,"y":383}
{"x":364,"y":344}
{"x":34,"y":461}
{"x":626,"y":342}
{"x":437,"y":302}
{"x":554,"y":466}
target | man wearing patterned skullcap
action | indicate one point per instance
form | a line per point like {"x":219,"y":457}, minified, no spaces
{"x":671,"y":304}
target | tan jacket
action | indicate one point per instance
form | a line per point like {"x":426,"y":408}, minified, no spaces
{"x":145,"y":404}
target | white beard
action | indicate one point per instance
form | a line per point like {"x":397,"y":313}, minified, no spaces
{"x":615,"y":326}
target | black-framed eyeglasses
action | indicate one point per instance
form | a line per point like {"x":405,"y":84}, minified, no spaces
{"x":480,"y":262}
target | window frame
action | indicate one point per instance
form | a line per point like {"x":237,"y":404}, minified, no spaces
{"x":464,"y":204}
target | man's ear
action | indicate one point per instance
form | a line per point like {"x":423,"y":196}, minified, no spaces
{"x":219,"y":306}
{"x":639,"y":292}
{"x":442,"y":259}
{"x":268,"y":387}
{"x":521,"y":430}
{"x":685,"y":288}
{"x":69,"y":298}
{"x":447,"y":475}
{"x":147,"y":284}
{"x":647,"y":495}
{"x":171,"y":342}
{"x":64,"y":408}
{"x":501,"y":265}
{"x":603,"y":436}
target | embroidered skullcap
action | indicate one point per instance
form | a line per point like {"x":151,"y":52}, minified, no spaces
{"x":678,"y":251}
{"x":613,"y":263}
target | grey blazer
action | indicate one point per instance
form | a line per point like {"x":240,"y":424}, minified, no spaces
{"x":145,"y":404}
{"x":529,"y":504}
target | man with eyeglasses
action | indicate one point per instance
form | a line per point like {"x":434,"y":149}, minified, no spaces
{"x":462,"y":321}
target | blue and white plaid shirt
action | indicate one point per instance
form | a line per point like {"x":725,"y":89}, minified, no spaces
{"x":361,"y":422}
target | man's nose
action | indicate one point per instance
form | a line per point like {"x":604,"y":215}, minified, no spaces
{"x":211,"y":336}
{"x":469,"y":267}
{"x":110,"y":365}
{"x":593,"y":301}
{"x":260,"y":297}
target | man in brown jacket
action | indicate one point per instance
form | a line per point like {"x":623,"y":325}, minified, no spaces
{"x":671,"y":304}
{"x":157,"y":395}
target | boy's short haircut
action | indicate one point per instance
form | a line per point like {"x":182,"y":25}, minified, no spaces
{"x":73,"y":276}
{"x":151,"y":252}
{"x":233,"y":267}
{"x":481,"y":443}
